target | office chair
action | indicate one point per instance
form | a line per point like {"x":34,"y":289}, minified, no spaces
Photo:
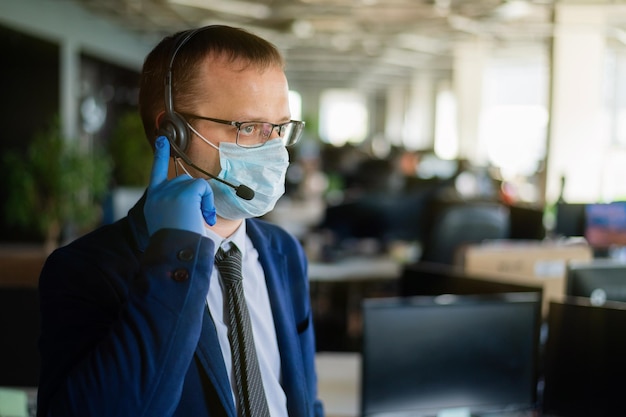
{"x":455,"y":224}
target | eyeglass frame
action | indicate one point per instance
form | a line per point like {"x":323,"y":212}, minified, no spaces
{"x":298,"y":124}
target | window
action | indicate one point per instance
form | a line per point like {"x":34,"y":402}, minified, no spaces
{"x":343,"y":117}
{"x":514,"y":121}
{"x":295,"y":105}
{"x":446,"y":138}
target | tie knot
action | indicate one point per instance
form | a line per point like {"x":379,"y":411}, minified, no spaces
{"x":229,"y":263}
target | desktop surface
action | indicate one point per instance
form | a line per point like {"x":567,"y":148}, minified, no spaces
{"x":429,"y":278}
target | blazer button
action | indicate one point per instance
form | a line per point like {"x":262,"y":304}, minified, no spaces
{"x":185,"y":255}
{"x":180,"y":275}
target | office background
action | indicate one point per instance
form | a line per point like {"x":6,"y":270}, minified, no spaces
{"x":530,"y":88}
{"x":418,"y":113}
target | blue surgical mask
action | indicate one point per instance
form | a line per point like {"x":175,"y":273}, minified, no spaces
{"x":262,"y":169}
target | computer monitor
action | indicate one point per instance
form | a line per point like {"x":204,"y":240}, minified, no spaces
{"x":585,"y":360}
{"x":19,"y":329}
{"x":599,"y":280}
{"x":526,"y":223}
{"x":605,"y":224}
{"x":426,"y":354}
{"x":570,"y":219}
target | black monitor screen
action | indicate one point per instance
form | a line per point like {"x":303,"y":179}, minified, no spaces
{"x":585,"y":363}
{"x":570,"y":219}
{"x":425,"y":354}
{"x":526,"y":223}
{"x":599,"y":280}
{"x":19,"y":330}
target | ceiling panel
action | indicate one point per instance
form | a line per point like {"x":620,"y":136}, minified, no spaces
{"x":347,"y":43}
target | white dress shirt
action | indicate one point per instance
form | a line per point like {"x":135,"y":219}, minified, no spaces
{"x":257,"y":299}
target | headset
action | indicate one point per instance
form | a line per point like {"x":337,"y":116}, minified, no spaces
{"x":174,"y":126}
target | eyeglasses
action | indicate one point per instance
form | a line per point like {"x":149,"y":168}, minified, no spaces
{"x":255,"y":134}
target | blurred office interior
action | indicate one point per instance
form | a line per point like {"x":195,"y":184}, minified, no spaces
{"x":517,"y":101}
{"x":447,"y":138}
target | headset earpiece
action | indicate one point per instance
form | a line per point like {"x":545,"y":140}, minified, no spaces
{"x":174,"y":127}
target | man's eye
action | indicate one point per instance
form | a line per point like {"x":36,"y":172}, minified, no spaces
{"x":248,"y":129}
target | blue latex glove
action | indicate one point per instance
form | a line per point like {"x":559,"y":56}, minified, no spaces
{"x":180,"y":203}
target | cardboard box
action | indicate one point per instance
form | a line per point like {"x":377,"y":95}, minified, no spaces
{"x":539,"y":264}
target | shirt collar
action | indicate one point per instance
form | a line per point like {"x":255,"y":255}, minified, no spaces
{"x":238,"y":238}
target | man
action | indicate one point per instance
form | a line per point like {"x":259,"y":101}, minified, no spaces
{"x":134,"y":316}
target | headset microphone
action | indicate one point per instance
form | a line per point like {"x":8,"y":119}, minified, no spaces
{"x":174,"y":127}
{"x":241,"y":190}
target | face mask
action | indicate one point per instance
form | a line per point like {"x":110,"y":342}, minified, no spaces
{"x":262,"y":169}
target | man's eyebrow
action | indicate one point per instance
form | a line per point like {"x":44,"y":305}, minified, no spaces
{"x":263,"y":120}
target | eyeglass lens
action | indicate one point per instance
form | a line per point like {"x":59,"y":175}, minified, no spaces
{"x":256,"y":134}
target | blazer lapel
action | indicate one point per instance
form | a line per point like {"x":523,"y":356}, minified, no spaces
{"x":274,"y":265}
{"x":210,"y":355}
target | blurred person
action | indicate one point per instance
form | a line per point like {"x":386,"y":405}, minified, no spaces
{"x":135,"y":315}
{"x":408,"y":162}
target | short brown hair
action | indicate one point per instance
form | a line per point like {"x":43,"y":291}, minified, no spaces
{"x":234,"y":44}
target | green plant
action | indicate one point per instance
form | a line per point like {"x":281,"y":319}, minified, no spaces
{"x":55,"y":183}
{"x":130,"y":151}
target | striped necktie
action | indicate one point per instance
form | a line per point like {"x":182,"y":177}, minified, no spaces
{"x":250,"y":392}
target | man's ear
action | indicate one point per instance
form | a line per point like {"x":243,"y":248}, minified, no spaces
{"x":155,"y":128}
{"x":158,"y":119}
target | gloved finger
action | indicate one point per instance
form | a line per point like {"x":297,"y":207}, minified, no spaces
{"x":207,"y":206}
{"x":161,"y":161}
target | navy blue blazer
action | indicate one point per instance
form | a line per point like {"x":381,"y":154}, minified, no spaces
{"x":126,"y":331}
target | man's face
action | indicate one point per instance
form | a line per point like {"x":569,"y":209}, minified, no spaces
{"x":228,"y":93}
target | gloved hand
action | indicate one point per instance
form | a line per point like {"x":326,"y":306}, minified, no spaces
{"x":180,"y":203}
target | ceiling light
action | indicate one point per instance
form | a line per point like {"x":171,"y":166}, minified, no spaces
{"x":302,"y":28}
{"x":513,"y":9}
{"x":234,"y":7}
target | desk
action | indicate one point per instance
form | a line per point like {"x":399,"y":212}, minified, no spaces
{"x":355,"y":269}
{"x":18,"y":401}
{"x":21,"y":264}
{"x":339,"y":382}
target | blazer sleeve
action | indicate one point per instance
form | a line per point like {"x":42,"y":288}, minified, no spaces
{"x":119,"y":329}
